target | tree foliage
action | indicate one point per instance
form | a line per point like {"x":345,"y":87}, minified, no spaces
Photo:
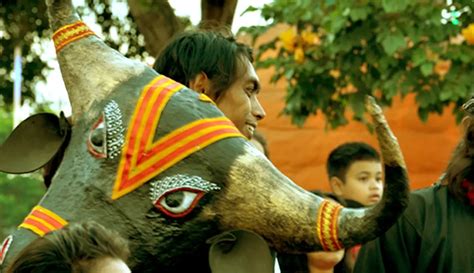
{"x":141,"y":32}
{"x":25,"y":24}
{"x":332,"y":53}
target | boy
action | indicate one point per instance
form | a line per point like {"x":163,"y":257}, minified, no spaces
{"x":355,"y":173}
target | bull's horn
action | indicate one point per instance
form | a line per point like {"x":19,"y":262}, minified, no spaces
{"x":298,"y":221}
{"x":356,"y":226}
{"x":90,"y":68}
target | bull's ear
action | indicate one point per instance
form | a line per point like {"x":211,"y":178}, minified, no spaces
{"x":240,"y":251}
{"x":33,"y":143}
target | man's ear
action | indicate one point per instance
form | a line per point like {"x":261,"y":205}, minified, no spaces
{"x":201,"y":84}
{"x":336,"y":185}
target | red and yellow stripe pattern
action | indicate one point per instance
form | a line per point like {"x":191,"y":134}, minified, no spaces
{"x":70,"y":33}
{"x":42,"y":221}
{"x":142,"y":158}
{"x":326,"y":227}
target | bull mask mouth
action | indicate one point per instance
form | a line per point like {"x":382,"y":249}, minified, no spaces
{"x":239,"y":251}
{"x":34,"y":143}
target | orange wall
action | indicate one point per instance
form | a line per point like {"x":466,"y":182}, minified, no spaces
{"x":300,"y":153}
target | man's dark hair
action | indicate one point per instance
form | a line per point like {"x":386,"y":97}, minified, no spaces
{"x":70,"y":250}
{"x":213,"y":53}
{"x":341,"y":158}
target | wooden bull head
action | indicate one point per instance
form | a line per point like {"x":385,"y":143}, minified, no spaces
{"x":160,"y":164}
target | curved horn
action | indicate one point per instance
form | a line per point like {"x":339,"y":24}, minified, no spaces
{"x":90,"y":68}
{"x":360,"y":225}
{"x":296,"y":220}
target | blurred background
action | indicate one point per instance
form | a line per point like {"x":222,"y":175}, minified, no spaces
{"x":316,"y":59}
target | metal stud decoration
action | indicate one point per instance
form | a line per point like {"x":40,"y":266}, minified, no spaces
{"x":114,"y":128}
{"x":170,"y":183}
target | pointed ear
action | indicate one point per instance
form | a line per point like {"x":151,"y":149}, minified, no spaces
{"x":201,"y":84}
{"x":336,"y":185}
{"x":33,"y":143}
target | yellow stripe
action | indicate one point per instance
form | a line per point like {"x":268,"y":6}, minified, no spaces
{"x":48,"y":225}
{"x":33,"y":228}
{"x":58,"y":48}
{"x":176,"y":145}
{"x":174,"y":161}
{"x":160,"y":110}
{"x":129,"y":132}
{"x":51,"y":214}
{"x":70,"y":33}
{"x":146,"y":117}
{"x":68,"y":26}
{"x":170,"y":149}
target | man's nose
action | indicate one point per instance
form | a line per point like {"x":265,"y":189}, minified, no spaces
{"x":257,"y":109}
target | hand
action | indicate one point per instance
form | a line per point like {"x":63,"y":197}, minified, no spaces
{"x":324,"y":261}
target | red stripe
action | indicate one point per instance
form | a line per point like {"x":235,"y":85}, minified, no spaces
{"x":74,"y":38}
{"x":37,"y":224}
{"x":152,"y":118}
{"x":190,"y":145}
{"x":135,"y":127}
{"x":47,"y":218}
{"x":66,"y":29}
{"x":321,"y":225}
{"x":169,"y":142}
{"x":138,"y":118}
{"x":4,"y":246}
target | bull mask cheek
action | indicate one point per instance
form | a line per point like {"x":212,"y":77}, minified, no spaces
{"x":106,"y":136}
{"x":177,"y":195}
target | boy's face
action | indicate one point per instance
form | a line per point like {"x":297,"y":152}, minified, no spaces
{"x":363,"y":183}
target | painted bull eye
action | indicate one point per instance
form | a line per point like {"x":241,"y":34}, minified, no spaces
{"x":177,"y":195}
{"x":179,"y":203}
{"x":97,"y":141}
{"x":106,"y":136}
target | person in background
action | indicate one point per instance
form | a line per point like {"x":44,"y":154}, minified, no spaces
{"x":219,"y":67}
{"x":355,"y":173}
{"x":77,"y":248}
{"x":435,"y":233}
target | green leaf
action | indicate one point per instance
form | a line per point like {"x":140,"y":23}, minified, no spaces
{"x":445,"y":94}
{"x":359,"y":13}
{"x":423,"y":114}
{"x":393,"y":42}
{"x":426,"y":69}
{"x":418,"y":56}
{"x":395,"y":5}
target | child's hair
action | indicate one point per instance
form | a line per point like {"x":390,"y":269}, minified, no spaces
{"x":70,"y":250}
{"x":341,"y":158}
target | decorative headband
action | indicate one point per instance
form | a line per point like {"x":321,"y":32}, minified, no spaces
{"x":326,"y":227}
{"x":42,"y":221}
{"x":70,"y":33}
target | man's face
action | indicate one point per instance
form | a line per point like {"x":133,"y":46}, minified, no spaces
{"x":240,"y":104}
{"x":364,"y":183}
